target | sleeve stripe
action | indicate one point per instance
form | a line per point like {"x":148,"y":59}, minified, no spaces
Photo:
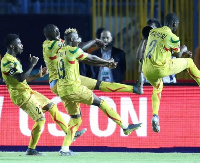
{"x":71,"y":62}
{"x":52,"y":58}
{"x":74,"y":50}
{"x":6,"y":73}
{"x":174,"y":41}
{"x":81,"y":56}
{"x":175,"y":49}
{"x":5,"y":64}
{"x":52,"y":45}
{"x":166,"y":48}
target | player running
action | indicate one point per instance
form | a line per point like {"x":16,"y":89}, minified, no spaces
{"x":161,"y":45}
{"x":32,"y":102}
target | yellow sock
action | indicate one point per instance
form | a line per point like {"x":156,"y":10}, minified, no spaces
{"x":156,"y":96}
{"x":57,"y":117}
{"x":115,"y":87}
{"x":35,"y":133}
{"x":112,"y":114}
{"x":73,"y":126}
{"x":193,"y":71}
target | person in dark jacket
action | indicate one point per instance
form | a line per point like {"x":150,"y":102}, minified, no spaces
{"x":108,"y":52}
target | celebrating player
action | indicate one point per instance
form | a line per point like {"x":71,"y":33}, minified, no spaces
{"x":50,"y":48}
{"x":72,"y":93}
{"x":158,"y":61}
{"x":32,"y":102}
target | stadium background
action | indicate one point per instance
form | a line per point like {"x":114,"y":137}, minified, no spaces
{"x":125,"y":19}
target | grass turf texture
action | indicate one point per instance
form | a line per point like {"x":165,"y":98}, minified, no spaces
{"x":101,"y":157}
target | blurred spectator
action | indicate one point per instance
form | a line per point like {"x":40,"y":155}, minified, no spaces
{"x":169,"y":79}
{"x":108,"y":52}
{"x":154,"y":23}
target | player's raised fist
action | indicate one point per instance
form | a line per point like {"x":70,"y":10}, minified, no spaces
{"x":99,"y":43}
{"x":187,"y":54}
{"x":112,"y":64}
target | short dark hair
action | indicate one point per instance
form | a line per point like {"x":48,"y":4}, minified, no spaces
{"x":10,"y":38}
{"x":146,"y":31}
{"x":151,"y":21}
{"x":170,"y":19}
{"x":48,"y":28}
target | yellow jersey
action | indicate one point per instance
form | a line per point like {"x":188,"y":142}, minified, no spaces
{"x":161,"y":42}
{"x":50,"y":50}
{"x":19,"y":91}
{"x":68,"y":69}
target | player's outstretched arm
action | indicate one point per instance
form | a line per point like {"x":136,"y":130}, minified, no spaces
{"x":43,"y":71}
{"x":22,"y":76}
{"x":96,"y":42}
{"x":96,"y":61}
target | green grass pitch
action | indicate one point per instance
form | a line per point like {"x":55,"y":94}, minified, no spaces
{"x":101,"y":157}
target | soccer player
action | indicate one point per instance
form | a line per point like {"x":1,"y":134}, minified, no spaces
{"x":32,"y":102}
{"x":51,"y":46}
{"x":161,"y":45}
{"x":72,"y":92}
